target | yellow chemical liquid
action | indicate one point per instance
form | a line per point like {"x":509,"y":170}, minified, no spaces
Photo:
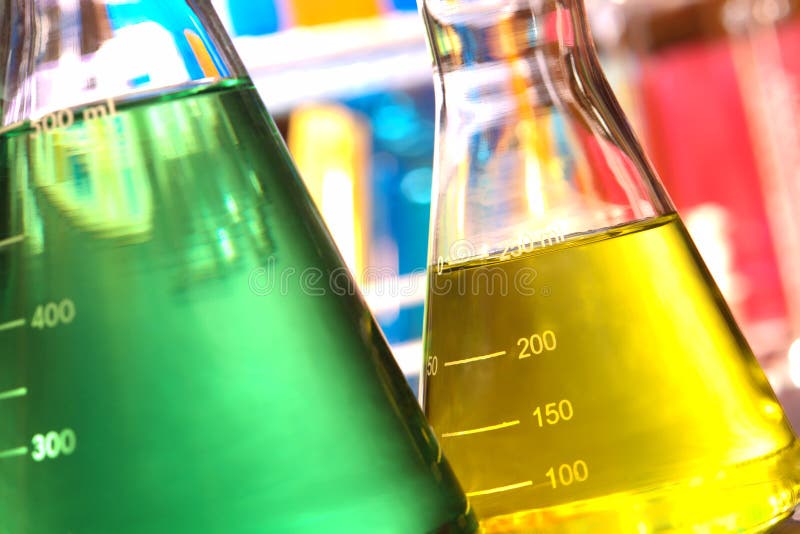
{"x":600,"y":385}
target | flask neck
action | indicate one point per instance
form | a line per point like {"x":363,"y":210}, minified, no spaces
{"x":525,"y":50}
{"x":530,"y":135}
{"x":465,"y":34}
{"x":61,"y":55}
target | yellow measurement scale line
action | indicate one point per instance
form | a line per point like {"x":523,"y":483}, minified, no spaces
{"x":501,"y":489}
{"x":476,"y":359}
{"x":479,"y":430}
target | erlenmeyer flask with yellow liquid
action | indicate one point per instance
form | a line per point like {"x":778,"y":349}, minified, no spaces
{"x":181,"y":347}
{"x":583,"y":373}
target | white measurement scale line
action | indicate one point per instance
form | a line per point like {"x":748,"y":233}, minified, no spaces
{"x":13,"y":394}
{"x":501,"y":489}
{"x":19,"y":323}
{"x":476,"y":359}
{"x":12,"y":240}
{"x":479,"y":430}
{"x":12,"y":453}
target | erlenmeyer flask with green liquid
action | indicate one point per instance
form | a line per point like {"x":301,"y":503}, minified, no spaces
{"x":583,"y":372}
{"x":181,"y":348}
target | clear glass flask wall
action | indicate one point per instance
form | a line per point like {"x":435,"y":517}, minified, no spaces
{"x":728,"y":68}
{"x":764,"y":36}
{"x":583,"y":372}
{"x":181,"y":347}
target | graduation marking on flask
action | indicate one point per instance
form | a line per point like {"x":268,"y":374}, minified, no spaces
{"x":11,"y":240}
{"x":52,"y":314}
{"x":501,"y":489}
{"x":53,"y":444}
{"x":14,"y":453}
{"x":11,"y":325}
{"x":476,"y":359}
{"x":530,"y":241}
{"x":480,"y":430}
{"x":65,"y":118}
{"x":10,"y":127}
{"x":537,"y":344}
{"x":13,"y":394}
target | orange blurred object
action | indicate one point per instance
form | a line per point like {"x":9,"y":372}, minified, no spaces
{"x":330,"y":145}
{"x":202,"y":54}
{"x":312,"y":12}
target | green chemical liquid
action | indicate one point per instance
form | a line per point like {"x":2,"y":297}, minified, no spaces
{"x":181,"y":349}
{"x":600,"y":385}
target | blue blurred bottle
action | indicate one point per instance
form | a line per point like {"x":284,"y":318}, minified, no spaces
{"x":250,"y":17}
{"x":405,"y":5}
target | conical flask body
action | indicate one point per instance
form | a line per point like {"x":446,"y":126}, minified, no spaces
{"x":584,"y":373}
{"x":181,"y":348}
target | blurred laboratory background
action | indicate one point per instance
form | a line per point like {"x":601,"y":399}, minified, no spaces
{"x":712,"y":88}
